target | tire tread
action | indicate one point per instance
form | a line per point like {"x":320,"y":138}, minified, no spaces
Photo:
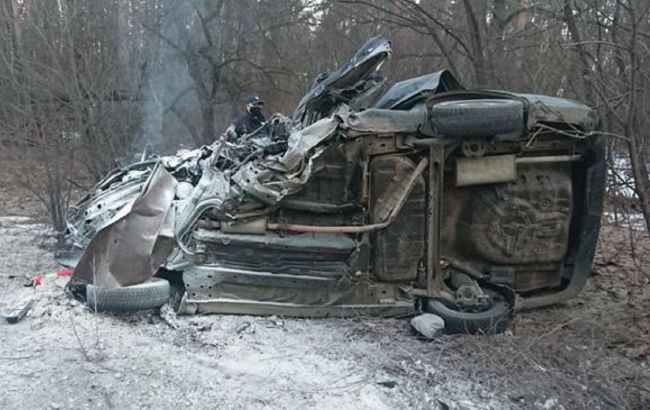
{"x":478,"y":118}
{"x":147,"y":295}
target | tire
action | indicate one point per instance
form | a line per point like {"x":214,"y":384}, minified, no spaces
{"x":148,"y":295}
{"x":478,"y":118}
{"x":491,"y":321}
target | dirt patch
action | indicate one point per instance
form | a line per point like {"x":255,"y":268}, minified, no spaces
{"x":589,"y":353}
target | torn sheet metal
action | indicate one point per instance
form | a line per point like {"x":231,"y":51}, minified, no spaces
{"x":130,"y":249}
{"x":108,"y":199}
{"x":271,"y":180}
{"x":404,"y":94}
{"x":305,"y":140}
{"x":355,"y":79}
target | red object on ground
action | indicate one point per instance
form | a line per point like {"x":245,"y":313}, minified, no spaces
{"x":65,"y":272}
{"x":37,"y":280}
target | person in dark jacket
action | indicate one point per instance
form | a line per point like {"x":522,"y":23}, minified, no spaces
{"x":250,"y":121}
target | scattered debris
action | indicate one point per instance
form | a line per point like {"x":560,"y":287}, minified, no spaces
{"x":36,"y":281}
{"x":388,"y":383}
{"x":428,"y":325}
{"x":65,"y":272}
{"x":16,"y":313}
{"x":168,"y":314}
{"x":201,"y":326}
{"x":243,"y":327}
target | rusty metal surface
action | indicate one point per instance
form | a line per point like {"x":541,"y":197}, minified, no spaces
{"x":218,"y":289}
{"x":397,"y":249}
{"x":254,"y":307}
{"x":434,"y":219}
{"x":522,"y":224}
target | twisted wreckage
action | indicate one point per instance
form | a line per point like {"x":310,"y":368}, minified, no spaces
{"x":465,"y":203}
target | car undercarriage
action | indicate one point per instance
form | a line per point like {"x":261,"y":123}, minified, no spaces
{"x":469,"y":204}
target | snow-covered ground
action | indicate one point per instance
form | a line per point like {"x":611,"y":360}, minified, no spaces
{"x":633,"y":220}
{"x":64,"y":356}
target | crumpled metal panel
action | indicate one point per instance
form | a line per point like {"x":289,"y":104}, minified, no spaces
{"x":111,"y":198}
{"x":305,"y":140}
{"x":378,"y":121}
{"x":213,"y":185}
{"x":130,"y":249}
{"x":406,"y":91}
{"x":545,"y":108}
{"x":360,"y":67}
{"x":272,"y":180}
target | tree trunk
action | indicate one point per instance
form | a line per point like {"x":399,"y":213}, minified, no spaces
{"x":569,"y":19}
{"x":478,"y":58}
{"x":642,"y":182}
{"x":208,"y":133}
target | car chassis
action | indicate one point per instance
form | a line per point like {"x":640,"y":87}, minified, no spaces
{"x":466,"y":203}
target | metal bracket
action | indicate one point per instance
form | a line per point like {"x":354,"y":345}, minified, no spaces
{"x":434,"y":219}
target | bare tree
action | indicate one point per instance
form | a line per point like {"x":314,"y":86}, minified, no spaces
{"x":86,"y":82}
{"x":611,"y":43}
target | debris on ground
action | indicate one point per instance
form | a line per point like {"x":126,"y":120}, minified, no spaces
{"x":599,"y":360}
{"x":428,"y":325}
{"x":18,"y":311}
{"x":65,"y":272}
{"x":168,"y":314}
{"x":37,"y":281}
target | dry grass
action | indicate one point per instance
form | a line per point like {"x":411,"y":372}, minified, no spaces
{"x":590,"y":353}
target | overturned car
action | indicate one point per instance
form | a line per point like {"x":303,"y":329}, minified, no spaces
{"x":465,"y":203}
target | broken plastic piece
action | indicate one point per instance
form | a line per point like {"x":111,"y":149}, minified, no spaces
{"x":16,"y":313}
{"x":65,"y":272}
{"x":37,"y":280}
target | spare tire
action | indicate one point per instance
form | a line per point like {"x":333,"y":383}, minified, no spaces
{"x":477,"y":118}
{"x":148,"y":295}
{"x":494,"y":319}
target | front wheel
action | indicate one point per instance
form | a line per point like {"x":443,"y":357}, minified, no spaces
{"x":490,"y":320}
{"x":147,"y":295}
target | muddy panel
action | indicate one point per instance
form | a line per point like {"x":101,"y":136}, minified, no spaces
{"x":398,"y":249}
{"x":317,"y":254}
{"x":297,"y":294}
{"x":331,"y":196}
{"x":523,"y":224}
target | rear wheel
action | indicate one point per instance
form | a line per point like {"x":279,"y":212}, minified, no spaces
{"x":491,"y":319}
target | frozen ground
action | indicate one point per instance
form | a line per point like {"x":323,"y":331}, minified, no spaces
{"x":591,"y":353}
{"x":65,"y":356}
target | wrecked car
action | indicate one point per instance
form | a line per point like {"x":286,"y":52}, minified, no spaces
{"x":469,"y":204}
